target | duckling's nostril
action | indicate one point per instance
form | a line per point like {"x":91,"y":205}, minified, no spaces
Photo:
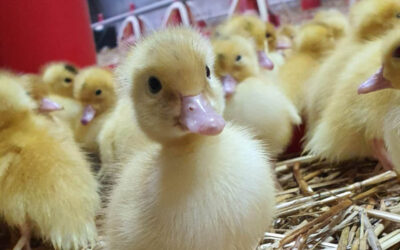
{"x":191,"y":108}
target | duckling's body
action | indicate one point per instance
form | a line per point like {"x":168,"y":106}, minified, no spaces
{"x":266,"y":110}
{"x":351,"y":124}
{"x":46,"y":187}
{"x":193,"y":187}
{"x":370,"y":20}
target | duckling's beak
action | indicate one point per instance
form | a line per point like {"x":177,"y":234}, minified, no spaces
{"x":229,"y":85}
{"x":264,"y":61}
{"x":199,"y":117}
{"x":283,"y":45}
{"x":376,"y":82}
{"x":47,"y":105}
{"x":88,"y":115}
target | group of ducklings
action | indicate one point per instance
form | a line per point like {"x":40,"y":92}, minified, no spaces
{"x":187,"y":129}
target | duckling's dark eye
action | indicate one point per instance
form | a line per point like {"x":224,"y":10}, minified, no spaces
{"x":154,"y":85}
{"x":398,"y":15}
{"x":238,"y":58}
{"x":208,"y":72}
{"x":268,"y":35}
{"x":67,"y":80}
{"x":396,"y":53}
{"x":98,"y":92}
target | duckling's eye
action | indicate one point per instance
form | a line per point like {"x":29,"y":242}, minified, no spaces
{"x":154,"y":85}
{"x":98,"y":92}
{"x":398,"y":15}
{"x":67,"y":80}
{"x":268,"y":35}
{"x":208,"y":72}
{"x":238,"y":58}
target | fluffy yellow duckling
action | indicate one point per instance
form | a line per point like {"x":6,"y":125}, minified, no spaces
{"x":312,"y":45}
{"x":250,"y":26}
{"x":60,"y":77}
{"x":192,"y":188}
{"x":356,"y":131}
{"x":95,"y":88}
{"x":370,"y":19}
{"x":46,"y":187}
{"x":251,"y":100}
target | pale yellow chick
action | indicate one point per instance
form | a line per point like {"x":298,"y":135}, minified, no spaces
{"x":312,"y":45}
{"x":192,"y":188}
{"x":252,"y":100}
{"x":95,"y":88}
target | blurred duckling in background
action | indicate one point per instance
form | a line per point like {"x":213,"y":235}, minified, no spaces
{"x":287,"y":34}
{"x":252,"y":101}
{"x":334,"y":20}
{"x":369,"y":20}
{"x":60,"y":77}
{"x":46,"y":187}
{"x":351,"y":126}
{"x":192,"y":188}
{"x":95,"y":88}
{"x":250,"y":26}
{"x":312,"y":45}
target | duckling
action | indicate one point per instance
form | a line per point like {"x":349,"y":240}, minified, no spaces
{"x":356,"y":131}
{"x":334,"y":20}
{"x":192,"y":188}
{"x":250,"y":26}
{"x":369,"y":20}
{"x":60,"y":77}
{"x":46,"y":187}
{"x":274,"y":47}
{"x":312,"y":45}
{"x":95,"y":89}
{"x":253,"y":101}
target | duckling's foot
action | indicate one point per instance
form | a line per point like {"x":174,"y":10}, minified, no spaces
{"x":380,"y":152}
{"x":24,"y":240}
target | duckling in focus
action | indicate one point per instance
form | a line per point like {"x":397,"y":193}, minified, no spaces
{"x":253,"y":101}
{"x":250,"y":26}
{"x":95,"y":89}
{"x":356,"y":131}
{"x":192,"y":188}
{"x":312,"y":44}
{"x":369,"y":20}
{"x":46,"y":187}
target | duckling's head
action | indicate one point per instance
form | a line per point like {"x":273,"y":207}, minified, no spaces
{"x":334,"y":20}
{"x":271,"y":37}
{"x":388,"y":76}
{"x":251,"y":26}
{"x":170,"y":78}
{"x":95,"y":88}
{"x":235,"y":61}
{"x":60,"y":78}
{"x":373,"y":18}
{"x":14,"y":100}
{"x":314,"y":39}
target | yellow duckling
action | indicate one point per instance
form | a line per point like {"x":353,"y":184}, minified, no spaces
{"x":192,"y":188}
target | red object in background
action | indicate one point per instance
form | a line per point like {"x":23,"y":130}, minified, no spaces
{"x":33,"y":33}
{"x":274,"y":19}
{"x":310,"y":4}
{"x":247,"y":5}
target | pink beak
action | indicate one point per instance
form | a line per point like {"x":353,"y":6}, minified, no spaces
{"x":264,"y":61}
{"x":376,"y":82}
{"x":229,"y":84}
{"x":88,"y":115}
{"x":199,"y":117}
{"x":283,"y":46}
{"x":47,"y":105}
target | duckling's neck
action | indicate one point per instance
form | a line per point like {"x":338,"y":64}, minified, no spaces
{"x":184,"y":142}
